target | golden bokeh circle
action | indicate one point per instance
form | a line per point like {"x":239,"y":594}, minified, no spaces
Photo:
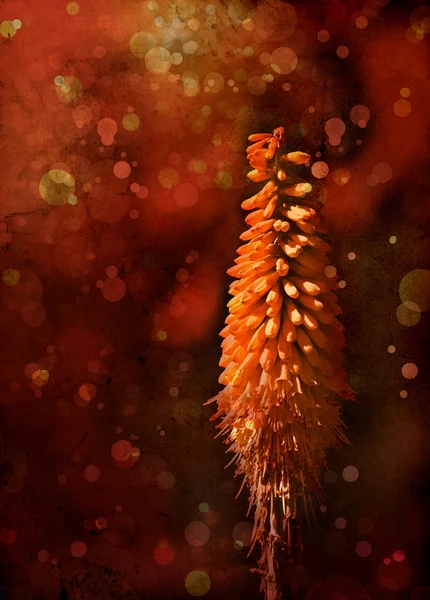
{"x":131,"y":122}
{"x":414,"y":290}
{"x":141,"y":42}
{"x":7,"y":29}
{"x":70,"y":90}
{"x":158,"y":60}
{"x":406,"y":316}
{"x":197,"y":583}
{"x":11,"y":277}
{"x":56,"y":186}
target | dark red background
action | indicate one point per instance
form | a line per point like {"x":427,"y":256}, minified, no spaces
{"x":49,"y":435}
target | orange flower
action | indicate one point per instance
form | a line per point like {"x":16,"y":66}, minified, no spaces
{"x":281,"y":356}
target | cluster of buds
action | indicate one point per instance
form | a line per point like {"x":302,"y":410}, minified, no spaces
{"x":281,"y":354}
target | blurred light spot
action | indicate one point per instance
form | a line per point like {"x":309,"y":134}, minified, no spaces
{"x":130,"y":122}
{"x":121,"y":450}
{"x":163,"y":553}
{"x":87,"y":392}
{"x":335,"y":126}
{"x":8,"y":535}
{"x":11,"y":277}
{"x":122,"y":169}
{"x":91,"y":473}
{"x":383,"y":172}
{"x":203,"y":507}
{"x":182,"y":275}
{"x":193,"y":24}
{"x":394,"y":576}
{"x":265,"y":58}
{"x":283,"y":60}
{"x":341,"y":176}
{"x":405,"y":92}
{"x":78,"y":549}
{"x":399,"y":555}
{"x":113,"y":289}
{"x":189,"y":47}
{"x":361,"y":22}
{"x":330,"y":271}
{"x":107,"y":128}
{"x":111,"y":271}
{"x":402,"y":108}
{"x":391,"y":349}
{"x":70,"y":90}
{"x":256,"y":85}
{"x":177,"y":58}
{"x":350,"y":473}
{"x":43,"y":555}
{"x":224,"y":180}
{"x":414,"y":290}
{"x":359,"y":115}
{"x":363,"y":549}
{"x":158,"y":60}
{"x":168,"y":178}
{"x":7,"y":30}
{"x":186,"y":195}
{"x":323,"y":36}
{"x":320,"y":169}
{"x":403,"y":394}
{"x":197,"y":583}
{"x":72,"y":8}
{"x":161,"y":336}
{"x":214,"y":81}
{"x":406,"y":316}
{"x":392,"y":239}
{"x":340,"y":523}
{"x":197,"y":533}
{"x":56,"y":186}
{"x":166,"y":480}
{"x":409,"y":371}
{"x":342,"y":51}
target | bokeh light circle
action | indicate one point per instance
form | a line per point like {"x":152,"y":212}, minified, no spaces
{"x":56,"y":186}
{"x":78,"y":549}
{"x":158,"y":60}
{"x":402,"y":108}
{"x":406,"y":316}
{"x":141,"y":42}
{"x":409,"y":370}
{"x":350,"y":473}
{"x":197,"y":583}
{"x":414,"y":290}
{"x":320,"y":169}
{"x":363,"y":549}
{"x":283,"y":60}
{"x":186,"y":195}
{"x":197,"y":533}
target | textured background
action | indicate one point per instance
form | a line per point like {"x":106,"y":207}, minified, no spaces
{"x":114,"y":288}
